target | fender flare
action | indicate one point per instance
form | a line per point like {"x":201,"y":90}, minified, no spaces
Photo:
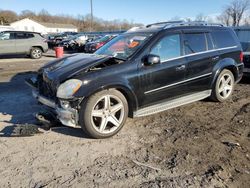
{"x":126,"y":90}
{"x":227,"y":63}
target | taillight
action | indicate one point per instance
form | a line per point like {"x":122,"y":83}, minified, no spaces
{"x":241,"y":56}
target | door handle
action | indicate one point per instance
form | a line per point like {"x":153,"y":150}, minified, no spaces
{"x":216,"y":58}
{"x":180,"y":68}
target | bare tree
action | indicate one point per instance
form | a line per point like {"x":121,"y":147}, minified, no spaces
{"x":201,"y":18}
{"x":234,"y":12}
{"x":27,"y":14}
{"x":7,"y":17}
{"x":83,"y":23}
{"x":225,"y":18}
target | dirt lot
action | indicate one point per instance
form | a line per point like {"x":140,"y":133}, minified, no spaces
{"x":204,"y":144}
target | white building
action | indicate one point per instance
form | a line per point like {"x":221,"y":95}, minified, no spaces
{"x":5,"y":28}
{"x":27,"y":24}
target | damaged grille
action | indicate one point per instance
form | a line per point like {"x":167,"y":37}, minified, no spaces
{"x":46,"y":88}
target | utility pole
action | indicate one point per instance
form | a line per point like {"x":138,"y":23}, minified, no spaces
{"x":91,"y":24}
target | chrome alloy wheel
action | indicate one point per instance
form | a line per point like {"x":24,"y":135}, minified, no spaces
{"x":36,"y":53}
{"x":108,"y":114}
{"x":226,"y":86}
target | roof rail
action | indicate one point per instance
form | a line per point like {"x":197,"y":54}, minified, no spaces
{"x":164,"y":24}
{"x":194,"y":23}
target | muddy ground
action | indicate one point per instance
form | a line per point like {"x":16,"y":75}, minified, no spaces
{"x":204,"y":144}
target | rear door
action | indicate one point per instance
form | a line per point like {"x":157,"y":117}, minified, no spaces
{"x":201,"y":57}
{"x":24,"y":41}
{"x":7,"y":43}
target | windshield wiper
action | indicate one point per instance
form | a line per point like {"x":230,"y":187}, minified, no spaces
{"x":120,"y":58}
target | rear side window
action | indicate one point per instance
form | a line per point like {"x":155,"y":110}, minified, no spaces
{"x":30,"y":35}
{"x":24,"y":35}
{"x":223,"y":39}
{"x":194,"y":43}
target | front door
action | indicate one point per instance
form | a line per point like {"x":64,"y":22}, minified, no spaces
{"x":165,"y":80}
{"x":7,"y":43}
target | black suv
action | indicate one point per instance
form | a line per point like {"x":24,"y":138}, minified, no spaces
{"x":139,"y":73}
{"x":243,"y":34}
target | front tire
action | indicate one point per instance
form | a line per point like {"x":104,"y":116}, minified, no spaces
{"x":36,"y":53}
{"x":104,"y":114}
{"x":224,"y":86}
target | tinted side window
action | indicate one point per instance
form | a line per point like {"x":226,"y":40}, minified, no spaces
{"x":195,"y":42}
{"x":20,"y":36}
{"x":30,"y":35}
{"x":223,"y":39}
{"x":24,"y":35}
{"x":168,"y":47}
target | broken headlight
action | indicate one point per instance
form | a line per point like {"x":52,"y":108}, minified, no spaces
{"x":68,"y":89}
{"x":65,"y":104}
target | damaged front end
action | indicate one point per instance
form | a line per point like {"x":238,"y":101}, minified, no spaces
{"x":65,"y":110}
{"x":55,"y":85}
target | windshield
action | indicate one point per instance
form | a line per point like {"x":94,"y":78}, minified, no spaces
{"x":123,"y":46}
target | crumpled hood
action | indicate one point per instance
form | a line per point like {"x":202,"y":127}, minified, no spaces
{"x":65,"y":68}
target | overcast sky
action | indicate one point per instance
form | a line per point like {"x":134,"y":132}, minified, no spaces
{"x":140,"y":11}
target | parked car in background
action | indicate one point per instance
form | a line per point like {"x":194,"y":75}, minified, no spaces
{"x":22,"y":42}
{"x":139,"y":73}
{"x":91,"y":38}
{"x":74,"y":42}
{"x":243,"y":34}
{"x":64,"y":35}
{"x":55,"y":39}
{"x":91,"y":47}
{"x":50,"y":39}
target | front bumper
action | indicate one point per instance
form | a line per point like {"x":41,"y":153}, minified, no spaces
{"x":68,"y":117}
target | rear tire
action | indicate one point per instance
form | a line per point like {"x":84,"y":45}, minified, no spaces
{"x":104,"y":114}
{"x":36,"y":53}
{"x":224,"y":86}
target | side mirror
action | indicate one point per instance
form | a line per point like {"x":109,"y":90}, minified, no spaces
{"x":151,"y":59}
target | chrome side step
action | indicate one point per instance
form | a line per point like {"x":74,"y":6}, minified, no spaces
{"x":172,"y":104}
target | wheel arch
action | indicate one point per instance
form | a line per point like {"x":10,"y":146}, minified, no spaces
{"x":37,"y":47}
{"x":125,"y":90}
{"x":227,"y":63}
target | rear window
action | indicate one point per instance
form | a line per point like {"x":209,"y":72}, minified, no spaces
{"x":243,"y":35}
{"x":223,"y":39}
{"x":194,"y":43}
{"x":244,"y":38}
